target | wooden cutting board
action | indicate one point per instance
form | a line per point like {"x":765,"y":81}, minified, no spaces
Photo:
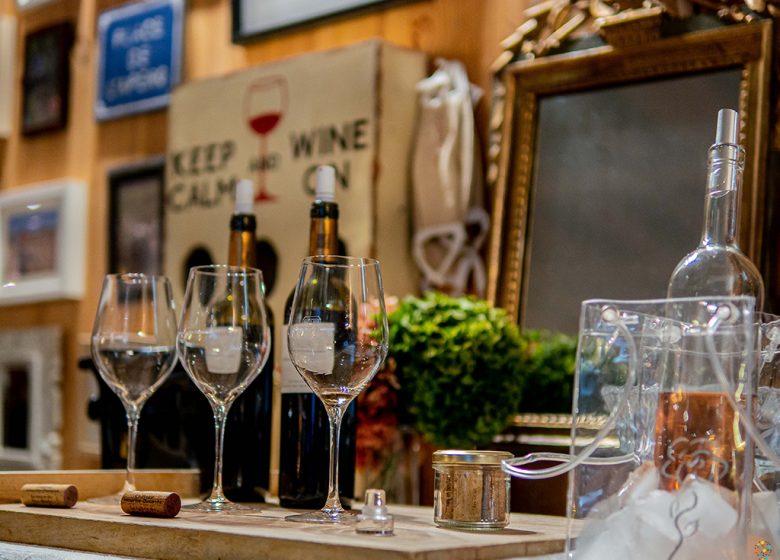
{"x":266,"y":535}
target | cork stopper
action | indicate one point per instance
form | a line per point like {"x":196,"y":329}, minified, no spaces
{"x":50,"y":495}
{"x":151,"y":504}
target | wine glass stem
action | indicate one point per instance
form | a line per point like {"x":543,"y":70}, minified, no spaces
{"x":133,"y":414}
{"x":220,"y":415}
{"x":263,"y":154}
{"x":334,"y":418}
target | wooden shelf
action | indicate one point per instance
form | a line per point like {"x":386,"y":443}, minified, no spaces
{"x":265,"y":534}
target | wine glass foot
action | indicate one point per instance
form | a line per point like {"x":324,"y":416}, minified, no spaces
{"x":264,"y":196}
{"x":219,"y":506}
{"x":335,"y":517}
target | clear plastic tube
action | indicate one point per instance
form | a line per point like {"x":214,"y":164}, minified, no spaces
{"x":610,"y":315}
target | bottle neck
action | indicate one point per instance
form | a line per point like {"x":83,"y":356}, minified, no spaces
{"x":241,"y":249}
{"x":724,"y":183}
{"x":323,"y":228}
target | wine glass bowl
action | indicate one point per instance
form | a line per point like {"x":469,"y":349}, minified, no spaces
{"x":133,"y":366}
{"x":337,"y":340}
{"x":219,"y":363}
{"x":134,"y":347}
{"x":223,"y":343}
{"x":353,"y":365}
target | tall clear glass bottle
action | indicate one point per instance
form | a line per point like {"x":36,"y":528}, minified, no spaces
{"x":247,"y":451}
{"x":696,"y":429}
{"x":717,"y":267}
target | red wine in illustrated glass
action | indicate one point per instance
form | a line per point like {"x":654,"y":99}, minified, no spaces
{"x":265,"y":122}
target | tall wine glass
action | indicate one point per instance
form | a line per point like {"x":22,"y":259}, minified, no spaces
{"x":223,"y":343}
{"x":337,"y":339}
{"x":134,"y":347}
{"x":265,"y":103}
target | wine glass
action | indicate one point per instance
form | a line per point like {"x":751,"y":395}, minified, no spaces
{"x":223,"y":343}
{"x":337,"y":339}
{"x":265,"y":102}
{"x":134,"y":348}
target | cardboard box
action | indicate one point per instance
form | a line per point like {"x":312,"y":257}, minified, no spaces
{"x":353,"y":108}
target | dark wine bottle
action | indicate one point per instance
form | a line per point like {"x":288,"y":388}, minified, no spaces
{"x":304,"y":446}
{"x":247,"y":451}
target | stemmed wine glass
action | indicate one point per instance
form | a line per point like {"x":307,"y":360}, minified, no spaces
{"x":134,"y":347}
{"x":223,"y":343}
{"x":265,"y":103}
{"x":337,"y":339}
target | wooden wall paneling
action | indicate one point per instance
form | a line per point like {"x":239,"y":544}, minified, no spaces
{"x":69,"y":152}
{"x":208,"y":50}
{"x":7,"y":7}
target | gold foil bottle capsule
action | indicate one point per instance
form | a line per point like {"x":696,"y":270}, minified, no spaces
{"x":50,"y":495}
{"x":151,"y":504}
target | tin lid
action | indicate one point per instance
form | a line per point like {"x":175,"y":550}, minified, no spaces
{"x":470,"y":457}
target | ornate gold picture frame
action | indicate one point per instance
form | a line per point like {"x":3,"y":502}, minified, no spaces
{"x":741,"y":51}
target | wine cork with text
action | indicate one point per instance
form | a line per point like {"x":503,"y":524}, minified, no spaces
{"x":467,"y":494}
{"x":151,"y":504}
{"x":50,"y":495}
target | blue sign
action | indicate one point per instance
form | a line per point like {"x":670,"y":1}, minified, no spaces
{"x":139,"y":46}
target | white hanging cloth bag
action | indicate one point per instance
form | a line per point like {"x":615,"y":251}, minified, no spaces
{"x":450,"y":222}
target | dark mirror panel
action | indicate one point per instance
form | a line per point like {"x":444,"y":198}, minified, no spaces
{"x":618,"y":194}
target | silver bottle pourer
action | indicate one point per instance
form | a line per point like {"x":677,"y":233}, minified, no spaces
{"x":728,"y":127}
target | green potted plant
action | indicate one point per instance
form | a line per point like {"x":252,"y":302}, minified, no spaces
{"x":460,"y":364}
{"x":549,"y":365}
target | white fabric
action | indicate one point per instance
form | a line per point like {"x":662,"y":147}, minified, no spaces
{"x":447,"y":184}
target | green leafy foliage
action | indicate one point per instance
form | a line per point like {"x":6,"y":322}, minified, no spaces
{"x":460,"y":364}
{"x":550,"y":363}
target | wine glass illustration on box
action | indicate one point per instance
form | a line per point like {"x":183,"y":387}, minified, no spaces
{"x":265,"y":102}
{"x":134,"y":348}
{"x":337,"y":339}
{"x":223,"y":344}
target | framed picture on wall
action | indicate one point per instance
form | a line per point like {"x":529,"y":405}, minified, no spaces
{"x":252,"y":19}
{"x":31,"y":391}
{"x":42,"y":242}
{"x":135,"y":217}
{"x":46,"y":80}
{"x":139,"y":57}
{"x":8,"y":66}
{"x":22,"y":5}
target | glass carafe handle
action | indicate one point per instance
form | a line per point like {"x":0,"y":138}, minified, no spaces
{"x":514,"y":467}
